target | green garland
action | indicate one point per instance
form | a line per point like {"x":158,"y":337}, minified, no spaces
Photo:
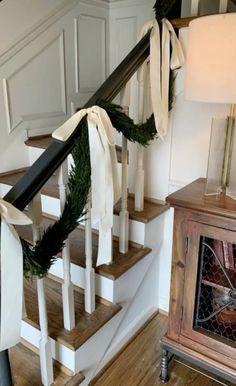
{"x":38,"y":259}
{"x":170,"y":9}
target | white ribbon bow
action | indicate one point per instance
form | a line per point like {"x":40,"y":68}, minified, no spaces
{"x":158,"y":73}
{"x":105,"y":189}
{"x":11,"y":275}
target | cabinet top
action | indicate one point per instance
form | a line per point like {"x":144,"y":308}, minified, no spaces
{"x":192,"y":197}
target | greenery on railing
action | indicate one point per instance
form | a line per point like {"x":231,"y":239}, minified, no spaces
{"x":170,"y":9}
{"x":38,"y":259}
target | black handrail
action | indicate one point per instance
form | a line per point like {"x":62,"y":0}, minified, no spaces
{"x":33,"y":180}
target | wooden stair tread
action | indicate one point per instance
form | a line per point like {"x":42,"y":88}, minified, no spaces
{"x":25,"y":365}
{"x":151,"y":210}
{"x":43,"y":141}
{"x":12,"y":177}
{"x":121,"y":263}
{"x":86,"y":324}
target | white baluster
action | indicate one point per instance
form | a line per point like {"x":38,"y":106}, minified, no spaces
{"x":139,"y":178}
{"x":223,"y":6}
{"x":139,"y":181}
{"x":67,"y":286}
{"x":46,"y":363}
{"x":89,"y":290}
{"x":124,"y":214}
{"x":194,"y":7}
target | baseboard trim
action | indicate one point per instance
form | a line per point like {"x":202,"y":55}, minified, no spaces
{"x":164,"y":312}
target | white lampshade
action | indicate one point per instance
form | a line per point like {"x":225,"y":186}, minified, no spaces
{"x":211,"y":59}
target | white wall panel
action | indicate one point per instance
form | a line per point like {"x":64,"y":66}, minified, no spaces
{"x":91,"y":52}
{"x":36,"y":89}
{"x":126,"y":33}
{"x":43,"y":72}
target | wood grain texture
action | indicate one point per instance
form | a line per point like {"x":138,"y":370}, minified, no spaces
{"x":121,"y":262}
{"x":138,"y":364}
{"x":177,"y":276}
{"x":10,"y":178}
{"x":26,"y":369}
{"x":197,"y":215}
{"x":181,"y":23}
{"x":193,"y":196}
{"x":43,"y":141}
{"x":86,"y":324}
{"x":151,"y":210}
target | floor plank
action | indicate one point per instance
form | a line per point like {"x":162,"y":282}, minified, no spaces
{"x":139,"y":363}
{"x":26,"y":369}
{"x":86,"y":324}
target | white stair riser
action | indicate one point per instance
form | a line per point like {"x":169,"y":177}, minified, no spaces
{"x":51,"y":206}
{"x":90,"y":355}
{"x":62,"y":354}
{"x":104,"y":286}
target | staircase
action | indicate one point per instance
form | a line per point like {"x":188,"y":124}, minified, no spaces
{"x":126,"y":290}
{"x":95,"y":338}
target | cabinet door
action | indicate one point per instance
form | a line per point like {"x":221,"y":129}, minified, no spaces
{"x":209,"y":304}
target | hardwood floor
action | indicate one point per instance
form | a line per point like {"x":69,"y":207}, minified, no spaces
{"x":139,"y":363}
{"x":26,"y":369}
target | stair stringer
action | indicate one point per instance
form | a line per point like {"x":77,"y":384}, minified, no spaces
{"x":146,"y":300}
{"x":90,"y":355}
{"x":136,"y":314}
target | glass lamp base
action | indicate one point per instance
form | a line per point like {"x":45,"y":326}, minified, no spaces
{"x":216,"y":160}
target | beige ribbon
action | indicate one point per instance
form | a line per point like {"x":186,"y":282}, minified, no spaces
{"x":11,"y":275}
{"x":158,"y":69}
{"x":105,"y":189}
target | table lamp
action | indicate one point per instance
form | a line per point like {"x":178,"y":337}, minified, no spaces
{"x":211,"y":77}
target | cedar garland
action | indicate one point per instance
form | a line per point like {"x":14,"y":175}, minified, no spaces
{"x":38,"y":259}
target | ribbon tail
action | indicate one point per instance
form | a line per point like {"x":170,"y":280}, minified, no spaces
{"x":155,"y":75}
{"x":65,"y":131}
{"x":104,"y":246}
{"x":11,"y":286}
{"x":165,"y":76}
{"x":97,"y":160}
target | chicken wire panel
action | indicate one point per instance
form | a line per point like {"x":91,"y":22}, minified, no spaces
{"x":215,"y":304}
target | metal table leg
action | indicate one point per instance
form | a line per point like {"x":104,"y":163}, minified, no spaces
{"x":5,"y":369}
{"x":164,"y":377}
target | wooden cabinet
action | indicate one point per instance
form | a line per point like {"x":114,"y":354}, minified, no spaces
{"x":202,"y":315}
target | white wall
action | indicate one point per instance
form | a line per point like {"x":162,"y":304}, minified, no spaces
{"x":56,"y":58}
{"x":183,"y":155}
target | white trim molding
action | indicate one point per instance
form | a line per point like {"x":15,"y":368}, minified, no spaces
{"x":14,"y":123}
{"x":37,"y":29}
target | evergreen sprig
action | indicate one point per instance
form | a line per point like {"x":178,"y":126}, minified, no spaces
{"x":38,"y":260}
{"x":143,"y":134}
{"x":167,"y":9}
